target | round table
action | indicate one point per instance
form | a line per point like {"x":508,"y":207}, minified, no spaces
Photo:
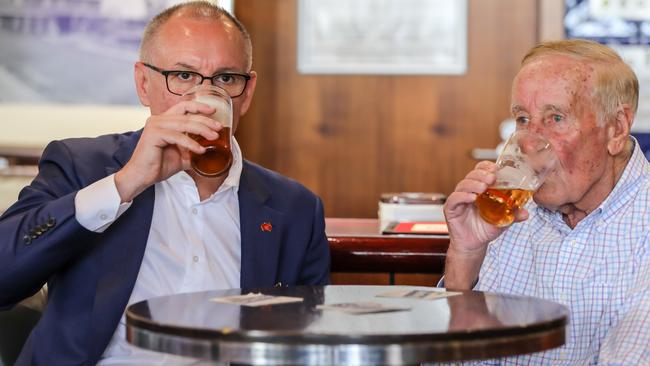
{"x":468,"y":326}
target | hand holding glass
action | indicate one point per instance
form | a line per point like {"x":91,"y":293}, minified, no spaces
{"x":217,"y":158}
{"x":523,"y":165}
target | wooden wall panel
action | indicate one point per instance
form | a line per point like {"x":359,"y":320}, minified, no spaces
{"x":551,"y":19}
{"x":351,"y":137}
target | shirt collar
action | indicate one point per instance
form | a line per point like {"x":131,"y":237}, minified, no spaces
{"x":234,"y":174}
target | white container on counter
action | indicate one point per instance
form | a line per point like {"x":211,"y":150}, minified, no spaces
{"x":410,"y":206}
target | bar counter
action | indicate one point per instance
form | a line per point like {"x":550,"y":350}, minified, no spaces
{"x":357,"y":245}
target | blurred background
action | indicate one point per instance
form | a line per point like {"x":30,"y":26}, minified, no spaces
{"x":354,"y":98}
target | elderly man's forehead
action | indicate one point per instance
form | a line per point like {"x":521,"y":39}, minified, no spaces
{"x":552,"y":83}
{"x":566,"y":67}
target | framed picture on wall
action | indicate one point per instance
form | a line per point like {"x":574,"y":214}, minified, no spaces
{"x":382,"y":37}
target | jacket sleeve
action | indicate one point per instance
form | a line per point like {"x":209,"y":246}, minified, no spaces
{"x":39,"y":234}
{"x":316,"y":264}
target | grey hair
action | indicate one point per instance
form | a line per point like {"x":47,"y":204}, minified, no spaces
{"x":616,"y":83}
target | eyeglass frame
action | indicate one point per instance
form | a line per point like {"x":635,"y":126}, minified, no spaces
{"x":165,"y":73}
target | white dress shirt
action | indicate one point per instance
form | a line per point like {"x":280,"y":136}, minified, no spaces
{"x":193,"y":245}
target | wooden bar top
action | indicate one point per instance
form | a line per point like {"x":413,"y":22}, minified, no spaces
{"x":357,"y":245}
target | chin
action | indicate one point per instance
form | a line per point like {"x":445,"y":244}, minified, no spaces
{"x":551,"y":206}
{"x":545,"y":198}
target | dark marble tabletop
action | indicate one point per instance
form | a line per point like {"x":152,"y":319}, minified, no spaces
{"x":472,"y":325}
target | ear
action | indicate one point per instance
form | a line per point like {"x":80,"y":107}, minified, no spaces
{"x":618,"y":130}
{"x":141,"y":78}
{"x":248,"y":93}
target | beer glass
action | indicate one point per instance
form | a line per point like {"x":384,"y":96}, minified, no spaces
{"x":524,"y":163}
{"x":217,"y":158}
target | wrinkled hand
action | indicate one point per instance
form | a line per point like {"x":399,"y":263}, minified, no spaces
{"x":469,"y":235}
{"x":164,"y":147}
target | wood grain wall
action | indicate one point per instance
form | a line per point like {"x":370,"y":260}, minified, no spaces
{"x":351,"y":137}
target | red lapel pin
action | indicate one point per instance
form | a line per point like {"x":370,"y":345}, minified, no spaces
{"x":266,"y":226}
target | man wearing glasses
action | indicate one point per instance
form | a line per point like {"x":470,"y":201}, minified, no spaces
{"x":181,"y":81}
{"x":121,"y":218}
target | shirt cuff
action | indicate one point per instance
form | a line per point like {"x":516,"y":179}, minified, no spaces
{"x":441,"y":283}
{"x":98,"y":205}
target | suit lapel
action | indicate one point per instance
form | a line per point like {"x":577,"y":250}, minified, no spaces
{"x":261,"y":229}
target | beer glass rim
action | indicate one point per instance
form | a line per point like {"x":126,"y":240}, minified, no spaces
{"x":215,"y":91}
{"x":211,"y":88}
{"x":546,"y":152}
{"x":518,"y":134}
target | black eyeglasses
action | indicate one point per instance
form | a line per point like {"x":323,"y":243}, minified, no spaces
{"x":181,"y":81}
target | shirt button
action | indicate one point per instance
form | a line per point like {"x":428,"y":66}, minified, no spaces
{"x":572,"y":242}
{"x":194,"y":210}
{"x":563,"y":297}
{"x":103,"y":216}
{"x":562,"y":355}
{"x":195,"y":259}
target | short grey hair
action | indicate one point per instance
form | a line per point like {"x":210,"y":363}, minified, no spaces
{"x":196,"y":10}
{"x":615,"y":84}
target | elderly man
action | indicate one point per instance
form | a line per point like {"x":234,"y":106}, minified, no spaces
{"x":120,"y":218}
{"x":584,"y":242}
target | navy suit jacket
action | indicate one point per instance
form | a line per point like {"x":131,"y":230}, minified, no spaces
{"x":91,"y":275}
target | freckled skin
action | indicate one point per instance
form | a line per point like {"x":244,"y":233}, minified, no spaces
{"x":552,"y":95}
{"x":555,"y":86}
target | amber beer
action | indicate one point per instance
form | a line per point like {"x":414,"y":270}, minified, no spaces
{"x":497,"y":205}
{"x":525,"y":161}
{"x":217,"y":158}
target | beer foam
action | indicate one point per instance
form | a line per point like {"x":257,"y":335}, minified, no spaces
{"x":222,"y":113}
{"x":520,"y":176}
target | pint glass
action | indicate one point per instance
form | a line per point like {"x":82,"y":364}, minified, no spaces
{"x":523,"y":165}
{"x":218,"y":155}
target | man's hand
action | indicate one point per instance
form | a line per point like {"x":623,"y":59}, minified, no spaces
{"x":164,"y":147}
{"x":469,"y":234}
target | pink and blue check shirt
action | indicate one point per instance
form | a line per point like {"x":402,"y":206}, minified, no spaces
{"x":600,"y":270}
